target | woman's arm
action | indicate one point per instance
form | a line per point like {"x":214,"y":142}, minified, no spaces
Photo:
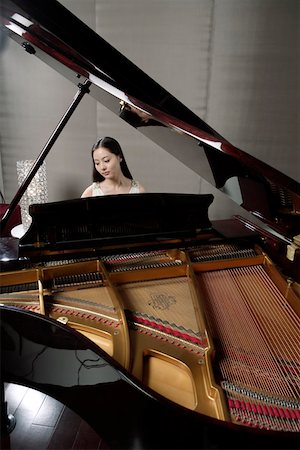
{"x":141,"y":188}
{"x":88,"y":192}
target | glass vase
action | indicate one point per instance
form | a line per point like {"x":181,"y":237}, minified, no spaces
{"x":36,"y":192}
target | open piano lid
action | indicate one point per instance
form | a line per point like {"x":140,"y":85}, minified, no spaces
{"x":47,"y":31}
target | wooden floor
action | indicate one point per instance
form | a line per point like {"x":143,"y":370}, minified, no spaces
{"x":44,"y":423}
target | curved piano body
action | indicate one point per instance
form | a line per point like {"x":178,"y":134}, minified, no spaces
{"x":46,"y":355}
{"x":195,"y":323}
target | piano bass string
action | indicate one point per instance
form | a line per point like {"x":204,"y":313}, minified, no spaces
{"x":214,"y":327}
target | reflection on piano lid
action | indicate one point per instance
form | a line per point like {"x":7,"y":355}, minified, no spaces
{"x":61,"y":362}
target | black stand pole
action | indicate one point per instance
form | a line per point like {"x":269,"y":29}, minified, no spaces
{"x":83,"y":89}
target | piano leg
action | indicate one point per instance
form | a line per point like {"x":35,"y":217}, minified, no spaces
{"x":8,"y":421}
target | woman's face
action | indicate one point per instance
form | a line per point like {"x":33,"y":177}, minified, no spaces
{"x":107,"y":163}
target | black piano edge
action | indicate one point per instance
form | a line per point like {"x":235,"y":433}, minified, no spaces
{"x":122,"y":411}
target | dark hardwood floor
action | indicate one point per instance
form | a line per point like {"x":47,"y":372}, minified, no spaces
{"x":44,"y":423}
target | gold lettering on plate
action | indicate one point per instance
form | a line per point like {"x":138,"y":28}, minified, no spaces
{"x":161,"y":301}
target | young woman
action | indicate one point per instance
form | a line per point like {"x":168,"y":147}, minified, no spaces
{"x":110,"y":171}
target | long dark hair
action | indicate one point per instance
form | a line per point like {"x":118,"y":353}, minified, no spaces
{"x":114,"y":147}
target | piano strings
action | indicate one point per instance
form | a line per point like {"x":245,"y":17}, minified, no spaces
{"x":258,"y":342}
{"x":210,"y":318}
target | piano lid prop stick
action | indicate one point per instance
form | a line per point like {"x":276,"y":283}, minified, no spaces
{"x":83,"y":89}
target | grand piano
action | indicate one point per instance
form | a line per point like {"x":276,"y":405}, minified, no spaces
{"x":160,"y":327}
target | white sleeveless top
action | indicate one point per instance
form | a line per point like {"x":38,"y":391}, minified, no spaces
{"x":96,"y":189}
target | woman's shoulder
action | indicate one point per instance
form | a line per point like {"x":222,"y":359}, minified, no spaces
{"x":92,"y":190}
{"x":88,"y":192}
{"x":134,"y":184}
{"x":96,"y":189}
{"x":136,"y":187}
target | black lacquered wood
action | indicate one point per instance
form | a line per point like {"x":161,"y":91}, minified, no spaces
{"x":46,"y":355}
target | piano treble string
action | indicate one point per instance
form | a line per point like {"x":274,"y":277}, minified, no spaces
{"x":252,"y":360}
